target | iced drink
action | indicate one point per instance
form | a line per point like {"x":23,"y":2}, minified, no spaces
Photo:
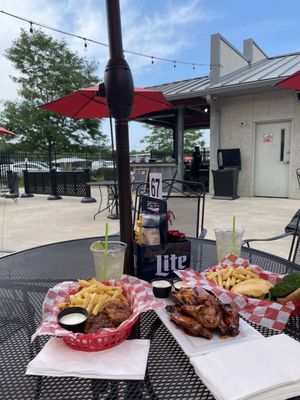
{"x":228,"y":241}
{"x":108,"y":265}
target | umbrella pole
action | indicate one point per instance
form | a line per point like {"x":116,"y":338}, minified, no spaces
{"x":124,"y":190}
{"x":116,"y":192}
{"x":119,"y":95}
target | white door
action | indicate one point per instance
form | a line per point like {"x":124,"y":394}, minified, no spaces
{"x":272,"y":158}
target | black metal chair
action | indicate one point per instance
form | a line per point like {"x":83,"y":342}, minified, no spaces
{"x":175,"y":188}
{"x":293,"y":230}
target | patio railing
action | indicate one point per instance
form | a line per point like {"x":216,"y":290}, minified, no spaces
{"x":56,"y":184}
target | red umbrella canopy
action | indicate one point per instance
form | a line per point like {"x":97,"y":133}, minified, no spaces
{"x":87,"y":103}
{"x":292,"y":82}
{"x":6,"y":132}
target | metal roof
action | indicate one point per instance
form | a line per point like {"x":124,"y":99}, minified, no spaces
{"x":264,"y":73}
{"x":183,"y":87}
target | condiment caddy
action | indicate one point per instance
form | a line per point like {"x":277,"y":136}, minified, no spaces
{"x":157,"y":250}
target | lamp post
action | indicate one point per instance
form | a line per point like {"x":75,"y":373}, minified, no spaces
{"x":119,"y":93}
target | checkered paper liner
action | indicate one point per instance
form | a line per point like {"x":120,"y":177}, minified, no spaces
{"x":262,"y":312}
{"x":138,"y":292}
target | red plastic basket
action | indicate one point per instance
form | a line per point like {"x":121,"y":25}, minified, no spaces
{"x":101,"y":341}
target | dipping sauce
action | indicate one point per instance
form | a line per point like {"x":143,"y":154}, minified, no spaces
{"x":180,"y":284}
{"x":161,"y":287}
{"x":161,"y":284}
{"x":72,"y":319}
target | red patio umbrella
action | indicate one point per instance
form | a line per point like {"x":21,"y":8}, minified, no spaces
{"x":88,"y":103}
{"x":6,"y":132}
{"x":292,"y":82}
{"x":91,"y":103}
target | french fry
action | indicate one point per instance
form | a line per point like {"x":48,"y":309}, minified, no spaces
{"x":84,"y":283}
{"x":92,"y":288}
{"x":219,"y":277}
{"x":252,"y":274}
{"x":229,"y":276}
{"x":212,"y":275}
{"x":93,"y":295}
{"x":77,"y":301}
{"x":63,"y":305}
{"x":92,"y":302}
{"x":227,"y":285}
{"x":101,"y":301}
{"x":86,"y":300}
{"x":116,"y":295}
{"x":228,"y":273}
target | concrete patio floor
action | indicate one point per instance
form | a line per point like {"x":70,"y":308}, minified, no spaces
{"x":36,"y":221}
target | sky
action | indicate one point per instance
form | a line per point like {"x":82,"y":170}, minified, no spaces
{"x":178,"y":30}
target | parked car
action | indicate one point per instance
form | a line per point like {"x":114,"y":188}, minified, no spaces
{"x":31,"y":166}
{"x":102,"y":164}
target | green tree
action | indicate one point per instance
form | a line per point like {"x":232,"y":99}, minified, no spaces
{"x":46,"y":70}
{"x":161,"y":139}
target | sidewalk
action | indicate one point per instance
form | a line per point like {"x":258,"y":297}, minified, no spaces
{"x":36,"y":221}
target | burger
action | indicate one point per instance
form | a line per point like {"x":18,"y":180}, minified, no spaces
{"x":253,"y":287}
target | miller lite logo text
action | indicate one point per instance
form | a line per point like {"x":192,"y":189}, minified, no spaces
{"x":169,"y":262}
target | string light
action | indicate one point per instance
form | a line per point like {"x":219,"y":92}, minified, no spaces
{"x":152,"y":58}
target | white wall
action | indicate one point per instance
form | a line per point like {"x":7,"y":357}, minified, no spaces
{"x":230,"y":60}
{"x":238,"y":116}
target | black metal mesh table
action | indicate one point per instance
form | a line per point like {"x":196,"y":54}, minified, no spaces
{"x":25,"y":278}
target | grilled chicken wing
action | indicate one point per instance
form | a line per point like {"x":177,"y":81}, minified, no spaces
{"x":191,"y":325}
{"x":94,"y":323}
{"x":198,"y":312}
{"x":117,"y":311}
{"x":209,"y":315}
{"x":231,"y":320}
{"x":186,"y":296}
{"x":202,"y":295}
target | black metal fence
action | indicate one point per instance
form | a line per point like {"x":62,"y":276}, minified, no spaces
{"x":76,"y":160}
{"x":17,"y":161}
{"x":57,"y":184}
{"x":38,"y":162}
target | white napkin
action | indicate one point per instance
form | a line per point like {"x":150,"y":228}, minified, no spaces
{"x":258,"y":370}
{"x":128,"y":360}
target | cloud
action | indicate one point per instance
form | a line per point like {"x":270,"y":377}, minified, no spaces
{"x":162,"y":28}
{"x":162,"y":31}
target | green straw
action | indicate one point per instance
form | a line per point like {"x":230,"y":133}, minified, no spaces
{"x":106,"y":251}
{"x":233,"y":232}
{"x":106,"y":239}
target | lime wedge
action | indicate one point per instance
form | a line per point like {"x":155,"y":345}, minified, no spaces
{"x":98,"y":246}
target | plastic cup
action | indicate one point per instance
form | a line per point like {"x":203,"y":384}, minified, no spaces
{"x":228,"y":242}
{"x":110,"y":264}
